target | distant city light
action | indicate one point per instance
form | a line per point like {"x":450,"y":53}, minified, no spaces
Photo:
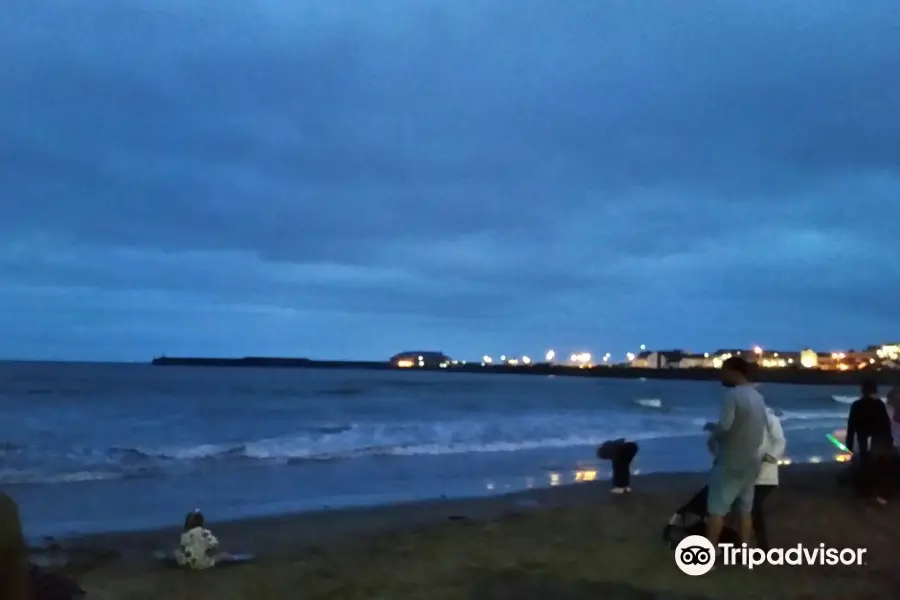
{"x":872,"y":358}
{"x":809,"y":359}
{"x":582,"y":359}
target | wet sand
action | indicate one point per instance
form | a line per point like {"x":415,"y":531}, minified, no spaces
{"x":574,"y":542}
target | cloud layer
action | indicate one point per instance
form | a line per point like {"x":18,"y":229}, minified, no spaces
{"x":350,"y":179}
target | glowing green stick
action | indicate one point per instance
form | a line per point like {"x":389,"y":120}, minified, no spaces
{"x":840,"y":445}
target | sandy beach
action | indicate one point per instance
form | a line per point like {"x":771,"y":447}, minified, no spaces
{"x":566,"y":542}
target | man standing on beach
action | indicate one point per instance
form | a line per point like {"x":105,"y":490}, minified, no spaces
{"x":868,"y":421}
{"x":738,"y":435}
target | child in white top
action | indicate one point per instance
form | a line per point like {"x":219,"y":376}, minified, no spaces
{"x":199,"y":548}
{"x":893,"y":409}
{"x":772,"y":449}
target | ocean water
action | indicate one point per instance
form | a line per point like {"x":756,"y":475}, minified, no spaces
{"x":105,"y":447}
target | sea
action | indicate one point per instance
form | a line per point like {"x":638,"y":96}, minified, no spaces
{"x":88,"y":448}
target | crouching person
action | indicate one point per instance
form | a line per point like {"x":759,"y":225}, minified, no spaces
{"x":620,"y":453}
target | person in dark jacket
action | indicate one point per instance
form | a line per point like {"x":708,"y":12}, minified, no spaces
{"x":620,"y":453}
{"x":869,"y":437}
{"x":868,"y":421}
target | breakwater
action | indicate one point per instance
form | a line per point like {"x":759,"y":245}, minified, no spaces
{"x":797,"y":376}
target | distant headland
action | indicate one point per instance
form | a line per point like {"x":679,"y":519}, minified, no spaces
{"x":641,"y":367}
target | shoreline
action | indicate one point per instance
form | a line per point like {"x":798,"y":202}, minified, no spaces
{"x":329,"y":525}
{"x":572,"y":542}
{"x":425,"y":508}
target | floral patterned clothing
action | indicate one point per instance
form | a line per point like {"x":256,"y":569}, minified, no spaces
{"x":198,"y":549}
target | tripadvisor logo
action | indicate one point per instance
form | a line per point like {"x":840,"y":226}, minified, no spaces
{"x":696,"y":555}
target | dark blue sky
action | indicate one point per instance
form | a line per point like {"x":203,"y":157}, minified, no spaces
{"x":350,"y":179}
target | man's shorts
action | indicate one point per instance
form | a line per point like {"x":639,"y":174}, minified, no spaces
{"x":730,"y":488}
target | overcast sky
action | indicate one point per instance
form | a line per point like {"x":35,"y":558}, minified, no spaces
{"x":348,"y":179}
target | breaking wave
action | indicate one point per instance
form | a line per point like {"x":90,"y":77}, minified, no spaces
{"x":24,"y":464}
{"x":849,"y":399}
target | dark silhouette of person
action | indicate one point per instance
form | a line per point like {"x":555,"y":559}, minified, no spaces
{"x":620,"y":453}
{"x":868,"y":421}
{"x":869,"y":430}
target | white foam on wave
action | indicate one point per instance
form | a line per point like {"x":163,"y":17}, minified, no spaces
{"x":851,"y":399}
{"x":800,"y":420}
{"x":650,"y":402}
{"x":812,"y":415}
{"x":16,"y":476}
{"x":285,"y":449}
{"x":190,"y":452}
{"x":527,"y":432}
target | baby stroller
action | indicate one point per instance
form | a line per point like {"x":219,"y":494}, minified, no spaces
{"x":690,"y":519}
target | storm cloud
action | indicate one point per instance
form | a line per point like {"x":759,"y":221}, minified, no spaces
{"x":350,"y":179}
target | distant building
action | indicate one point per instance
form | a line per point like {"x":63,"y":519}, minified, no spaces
{"x":777,"y":359}
{"x":723,"y":354}
{"x":420,"y":359}
{"x":642,"y":360}
{"x":659,"y":359}
{"x":886,"y":354}
{"x":695,"y":361}
{"x":850,"y":360}
{"x":889,"y":355}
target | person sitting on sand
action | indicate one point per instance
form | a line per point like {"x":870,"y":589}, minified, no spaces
{"x":620,"y":453}
{"x":199,"y":548}
{"x":14,"y":581}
